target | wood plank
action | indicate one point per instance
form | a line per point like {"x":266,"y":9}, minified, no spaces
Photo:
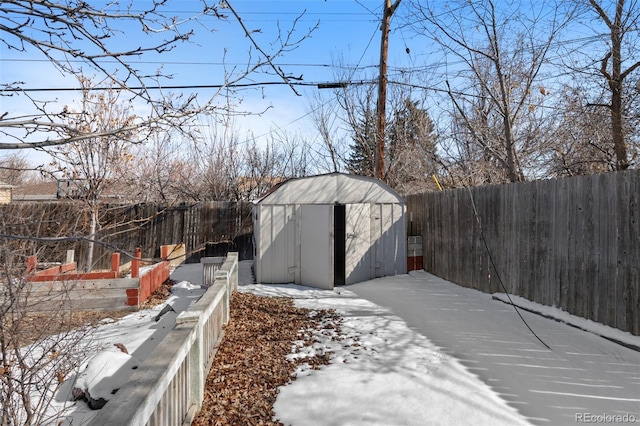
{"x":608,"y":307}
{"x":76,"y":294}
{"x":546,"y":210}
{"x":525,"y":232}
{"x":116,"y":283}
{"x":589,"y":256}
{"x":540,"y":243}
{"x":633,"y":317}
{"x":628,"y":240}
{"x":512,"y":281}
{"x":574,"y":260}
{"x":603,"y":216}
{"x":562,"y":225}
{"x":97,"y":304}
{"x":493,"y":227}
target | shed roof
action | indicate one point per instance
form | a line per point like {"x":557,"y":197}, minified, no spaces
{"x":330,"y":189}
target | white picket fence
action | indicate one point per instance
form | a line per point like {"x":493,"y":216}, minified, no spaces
{"x":168,"y":388}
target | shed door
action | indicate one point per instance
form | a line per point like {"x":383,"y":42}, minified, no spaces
{"x":358,"y":243}
{"x":339,"y":243}
{"x":316,"y":267}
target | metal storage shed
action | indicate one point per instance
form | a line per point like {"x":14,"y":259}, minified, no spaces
{"x":328,"y":230}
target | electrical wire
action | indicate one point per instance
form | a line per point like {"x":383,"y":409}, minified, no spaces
{"x":175,"y":87}
{"x":280,"y":128}
{"x":504,"y":288}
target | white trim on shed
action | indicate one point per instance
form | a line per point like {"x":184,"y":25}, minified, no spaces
{"x":328,"y":230}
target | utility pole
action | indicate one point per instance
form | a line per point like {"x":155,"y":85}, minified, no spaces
{"x":382,"y":86}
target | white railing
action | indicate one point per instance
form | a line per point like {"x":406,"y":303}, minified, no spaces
{"x":168,"y":388}
{"x":210,"y":265}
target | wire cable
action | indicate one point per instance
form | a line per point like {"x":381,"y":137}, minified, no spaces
{"x":493,"y":264}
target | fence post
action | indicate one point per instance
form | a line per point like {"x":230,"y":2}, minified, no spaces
{"x":222,"y":277}
{"x":233,"y":273}
{"x":135,"y":263}
{"x":115,"y":263}
{"x":197,"y":373}
{"x":32,"y":264}
{"x":209,"y":267}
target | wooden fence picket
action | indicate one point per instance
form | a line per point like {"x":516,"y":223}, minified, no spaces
{"x":573,"y":243}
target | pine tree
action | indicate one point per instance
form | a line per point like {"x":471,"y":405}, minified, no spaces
{"x":411,"y":153}
{"x":410,"y":150}
{"x":361,"y":160}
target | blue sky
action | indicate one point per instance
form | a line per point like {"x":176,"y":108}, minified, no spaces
{"x":346,"y":43}
{"x":347,"y":35}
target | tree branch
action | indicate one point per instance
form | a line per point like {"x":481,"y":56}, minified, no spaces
{"x":268,"y":58}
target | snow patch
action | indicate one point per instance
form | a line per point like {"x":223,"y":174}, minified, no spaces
{"x":622,"y":337}
{"x":102,"y":376}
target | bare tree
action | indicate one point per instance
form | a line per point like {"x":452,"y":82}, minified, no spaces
{"x":83,"y":38}
{"x":220,"y":158}
{"x":91,"y":167}
{"x":14,"y":169}
{"x":265,"y":165}
{"x":38,"y":352}
{"x":328,"y":124}
{"x":297,"y":159}
{"x":159,"y":168}
{"x":412,"y":153}
{"x":620,"y":61}
{"x":410,"y":139}
{"x":500,"y":49}
{"x":582,"y":137}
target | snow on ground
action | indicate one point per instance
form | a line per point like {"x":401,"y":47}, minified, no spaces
{"x":577,"y":376}
{"x":383,"y":371}
{"x":557,"y":314}
{"x":140,"y":333}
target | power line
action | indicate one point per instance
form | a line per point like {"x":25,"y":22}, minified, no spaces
{"x":190,"y":63}
{"x":320,"y":85}
{"x":328,"y":85}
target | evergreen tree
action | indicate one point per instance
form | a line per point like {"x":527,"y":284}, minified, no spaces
{"x":361,"y":160}
{"x":411,"y":151}
{"x":410,"y":147}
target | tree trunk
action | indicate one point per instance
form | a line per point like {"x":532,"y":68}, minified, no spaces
{"x":92,"y":233}
{"x":615,"y":79}
{"x":617,"y":121}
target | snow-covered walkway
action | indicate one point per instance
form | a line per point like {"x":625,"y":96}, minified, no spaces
{"x":583,"y":378}
{"x":419,"y":350}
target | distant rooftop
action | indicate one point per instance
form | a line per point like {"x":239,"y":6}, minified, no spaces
{"x":41,"y":191}
{"x":51,"y":191}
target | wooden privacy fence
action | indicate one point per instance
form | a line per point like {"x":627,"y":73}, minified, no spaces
{"x":168,"y":388}
{"x":573,"y":243}
{"x":124,"y":227}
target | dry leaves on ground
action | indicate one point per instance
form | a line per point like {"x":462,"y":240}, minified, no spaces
{"x":159,"y":296}
{"x":251,"y":362}
{"x":38,"y":326}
